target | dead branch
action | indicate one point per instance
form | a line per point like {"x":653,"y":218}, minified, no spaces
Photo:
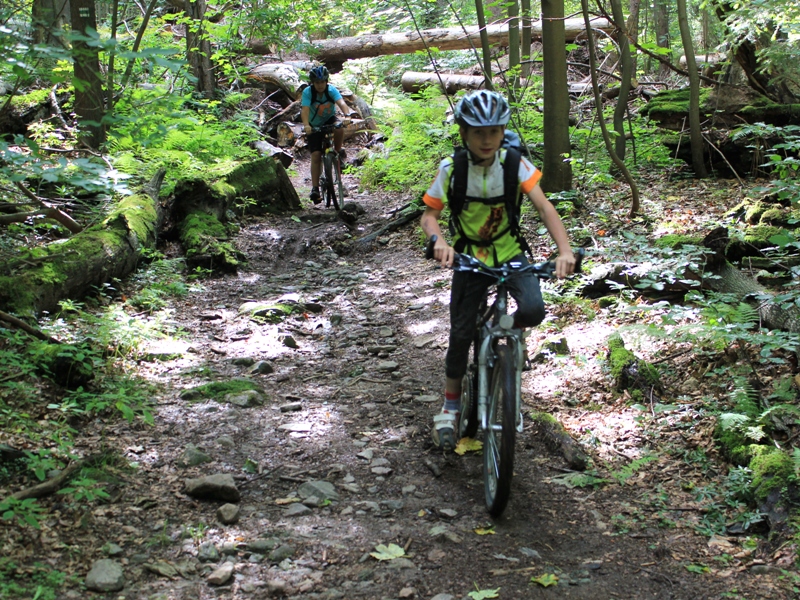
{"x":27,"y":328}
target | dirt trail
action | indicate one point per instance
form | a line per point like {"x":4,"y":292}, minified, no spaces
{"x":350,"y":402}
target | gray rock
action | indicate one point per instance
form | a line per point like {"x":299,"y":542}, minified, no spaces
{"x":386,"y":332}
{"x":244,"y":361}
{"x":262,"y":367}
{"x":105,"y":576}
{"x":113,"y":549}
{"x":297,"y":510}
{"x":222,"y":574}
{"x":387,"y":366}
{"x":291,"y":407}
{"x":262,"y":546}
{"x":213,"y":487}
{"x":246,"y":398}
{"x":193,"y":456}
{"x":324,"y":490}
{"x":290,"y":342}
{"x":282,"y":552}
{"x":207,"y":553}
{"x":226,"y":441}
{"x":443,"y":597}
{"x":228,"y":514}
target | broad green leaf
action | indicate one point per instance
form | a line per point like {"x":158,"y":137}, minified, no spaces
{"x":545,"y":580}
{"x":296,"y":218}
{"x":482,"y":594}
{"x":468,"y":445}
{"x":389,"y":552}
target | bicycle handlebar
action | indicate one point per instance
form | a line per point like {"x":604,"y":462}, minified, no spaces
{"x":332,"y":126}
{"x":465,"y":262}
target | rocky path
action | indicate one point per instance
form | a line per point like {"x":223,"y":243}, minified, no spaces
{"x":333,"y":488}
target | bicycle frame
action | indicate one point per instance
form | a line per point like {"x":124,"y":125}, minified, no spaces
{"x":502,"y":327}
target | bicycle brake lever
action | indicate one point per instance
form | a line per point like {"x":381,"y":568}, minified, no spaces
{"x":429,"y":246}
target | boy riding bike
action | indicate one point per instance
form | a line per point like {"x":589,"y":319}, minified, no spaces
{"x":318,"y":107}
{"x":484,"y":228}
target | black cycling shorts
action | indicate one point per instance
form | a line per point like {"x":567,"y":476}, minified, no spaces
{"x":315,"y":139}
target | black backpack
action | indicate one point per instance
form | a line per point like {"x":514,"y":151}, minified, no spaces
{"x":457,"y":196}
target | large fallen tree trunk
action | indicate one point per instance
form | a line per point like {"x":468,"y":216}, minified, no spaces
{"x":714,"y":273}
{"x":41,"y":277}
{"x":364,"y":46}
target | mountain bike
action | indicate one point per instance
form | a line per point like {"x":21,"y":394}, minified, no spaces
{"x":490,"y":391}
{"x":330,"y":179}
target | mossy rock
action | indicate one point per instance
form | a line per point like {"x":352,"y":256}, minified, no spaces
{"x":218,"y":390}
{"x":204,"y":239}
{"x":68,"y":365}
{"x":675,"y":241}
{"x":735,"y":445}
{"x":773,"y":469}
{"x":628,"y":371}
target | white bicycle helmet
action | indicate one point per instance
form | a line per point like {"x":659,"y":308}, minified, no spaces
{"x":482,"y":109}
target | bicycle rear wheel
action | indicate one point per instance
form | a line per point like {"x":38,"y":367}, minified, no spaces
{"x":330,"y":190}
{"x":468,"y":426}
{"x":499,"y":438}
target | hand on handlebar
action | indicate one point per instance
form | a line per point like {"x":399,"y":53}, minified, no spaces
{"x":308,"y":129}
{"x":565,"y":265}
{"x":439,"y":249}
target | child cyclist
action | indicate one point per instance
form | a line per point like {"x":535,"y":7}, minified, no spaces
{"x":483,"y":231}
{"x":318,"y":107}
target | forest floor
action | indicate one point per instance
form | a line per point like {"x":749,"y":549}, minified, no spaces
{"x":351,"y":384}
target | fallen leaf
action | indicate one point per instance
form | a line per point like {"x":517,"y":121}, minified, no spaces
{"x":389,"y":552}
{"x":485,"y":530}
{"x":468,"y":445}
{"x":482,"y":594}
{"x":545,"y":580}
{"x":281,"y":501}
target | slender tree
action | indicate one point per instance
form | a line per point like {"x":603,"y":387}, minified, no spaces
{"x":695,"y":131}
{"x":598,"y":101}
{"x":556,"y":170}
{"x":198,"y":47}
{"x":88,"y":82}
{"x":627,"y":75}
{"x":513,"y":42}
{"x":526,"y":38}
{"x":485,"y":48}
{"x":661,"y":25}
{"x":48,"y":18}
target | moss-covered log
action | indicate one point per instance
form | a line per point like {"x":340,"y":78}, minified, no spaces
{"x":206,"y":243}
{"x":41,"y":277}
{"x":558,"y":440}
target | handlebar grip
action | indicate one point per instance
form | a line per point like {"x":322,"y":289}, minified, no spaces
{"x":429,"y":246}
{"x":579,"y":254}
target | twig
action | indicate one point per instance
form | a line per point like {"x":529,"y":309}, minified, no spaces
{"x":52,"y":485}
{"x":27,"y":328}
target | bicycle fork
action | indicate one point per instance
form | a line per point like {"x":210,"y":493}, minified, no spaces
{"x":505,"y":329}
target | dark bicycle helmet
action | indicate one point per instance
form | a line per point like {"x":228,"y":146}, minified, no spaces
{"x":482,"y":109}
{"x":319,"y":74}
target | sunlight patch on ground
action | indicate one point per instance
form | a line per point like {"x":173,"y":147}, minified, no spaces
{"x":425,"y":327}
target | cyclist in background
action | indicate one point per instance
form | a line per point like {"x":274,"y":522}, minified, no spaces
{"x":482,"y":230}
{"x":318,"y":107}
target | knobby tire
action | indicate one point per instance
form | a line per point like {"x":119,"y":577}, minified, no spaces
{"x":337,"y":171}
{"x":468,"y":425}
{"x":498,"y":446}
{"x":330,"y":190}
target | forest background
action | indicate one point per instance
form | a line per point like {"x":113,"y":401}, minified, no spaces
{"x":101,"y":98}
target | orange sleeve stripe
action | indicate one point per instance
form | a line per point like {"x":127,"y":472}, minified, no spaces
{"x":530,"y":183}
{"x":434,"y":203}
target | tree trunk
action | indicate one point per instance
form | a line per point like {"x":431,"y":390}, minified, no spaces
{"x":513,"y":44}
{"x":413,"y":81}
{"x":661,"y":19}
{"x":48,"y":18}
{"x":485,"y":44}
{"x":627,"y":74}
{"x":72,"y":268}
{"x":696,"y":133}
{"x":601,"y":120}
{"x":556,"y":171}
{"x":89,"y":104}
{"x":341,"y":49}
{"x":526,"y":38}
{"x":198,"y":47}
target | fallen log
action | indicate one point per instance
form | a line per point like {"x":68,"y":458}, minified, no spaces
{"x":340,"y":49}
{"x":41,"y":277}
{"x":413,"y":81}
{"x":267,"y":149}
{"x":391,"y":225}
{"x":557,"y":439}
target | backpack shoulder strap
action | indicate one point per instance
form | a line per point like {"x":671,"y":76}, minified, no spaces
{"x":457,"y":194}
{"x":513,"y":196}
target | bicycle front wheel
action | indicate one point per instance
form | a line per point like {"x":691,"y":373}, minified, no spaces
{"x":337,"y":173}
{"x":499,"y":437}
{"x":330,"y":189}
